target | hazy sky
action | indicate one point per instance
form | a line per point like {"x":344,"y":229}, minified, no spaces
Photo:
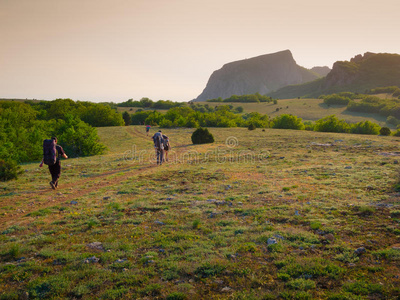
{"x":114,"y":50}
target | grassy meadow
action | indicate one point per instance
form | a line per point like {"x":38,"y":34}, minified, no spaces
{"x":263,"y":214}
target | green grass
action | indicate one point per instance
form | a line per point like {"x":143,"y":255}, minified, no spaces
{"x":200,"y":226}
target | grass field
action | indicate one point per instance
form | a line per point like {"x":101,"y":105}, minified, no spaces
{"x":274,"y":214}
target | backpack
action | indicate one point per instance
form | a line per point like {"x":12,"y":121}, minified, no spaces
{"x":165,"y":141}
{"x":158,"y":141}
{"x":49,"y":152}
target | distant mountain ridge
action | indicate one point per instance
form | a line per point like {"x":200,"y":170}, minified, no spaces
{"x":361,"y":73}
{"x":262,"y":74}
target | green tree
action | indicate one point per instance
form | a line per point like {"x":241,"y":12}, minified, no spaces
{"x":79,"y":138}
{"x":101,"y":116}
{"x":127,"y":118}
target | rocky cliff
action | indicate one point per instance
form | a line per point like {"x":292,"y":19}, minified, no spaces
{"x":261,"y":74}
{"x":321,"y":71}
{"x":361,"y":73}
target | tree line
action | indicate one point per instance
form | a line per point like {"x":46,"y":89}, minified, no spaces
{"x":368,"y":103}
{"x":24,"y":126}
{"x":227,"y":116}
{"x":148,"y":103}
{"x":257,"y":98}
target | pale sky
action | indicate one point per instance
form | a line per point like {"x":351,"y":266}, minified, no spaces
{"x":114,"y":50}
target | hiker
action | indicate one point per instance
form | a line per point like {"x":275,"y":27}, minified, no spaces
{"x":167,"y":147}
{"x":148,"y":129}
{"x":159,"y":146}
{"x":51,"y":158}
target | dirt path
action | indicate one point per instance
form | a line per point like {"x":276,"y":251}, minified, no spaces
{"x":74,"y":190}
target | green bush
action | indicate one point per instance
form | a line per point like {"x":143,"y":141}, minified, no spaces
{"x":177,"y":296}
{"x":331,"y":124}
{"x":336,"y":100}
{"x":365,"y":127}
{"x":251,"y":126}
{"x":286,"y":121}
{"x":385,"y":131}
{"x":202,"y":136}
{"x":9,"y":170}
{"x":397,"y":133}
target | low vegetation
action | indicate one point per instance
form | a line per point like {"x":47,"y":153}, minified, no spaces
{"x":274,"y":214}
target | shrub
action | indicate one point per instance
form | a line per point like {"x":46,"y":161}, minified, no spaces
{"x":252,"y":126}
{"x":177,"y":296}
{"x":301,"y":284}
{"x":336,"y":100}
{"x":366,"y":127}
{"x":9,"y":170}
{"x":202,"y":136}
{"x":397,"y":133}
{"x":207,"y":270}
{"x":286,"y":121}
{"x":331,"y":124}
{"x":385,"y":131}
{"x":392,"y":120}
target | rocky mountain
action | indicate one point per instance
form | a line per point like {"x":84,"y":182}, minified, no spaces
{"x":321,"y":71}
{"x":261,"y":74}
{"x":361,"y":73}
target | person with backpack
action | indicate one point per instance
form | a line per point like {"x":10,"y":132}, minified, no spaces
{"x":159,"y":146}
{"x":167,"y":147}
{"x":148,"y":129}
{"x":51,"y":157}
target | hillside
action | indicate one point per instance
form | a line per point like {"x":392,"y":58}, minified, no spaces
{"x":361,"y":73}
{"x":261,"y":74}
{"x":274,"y":214}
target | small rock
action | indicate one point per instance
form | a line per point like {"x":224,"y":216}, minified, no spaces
{"x":279,"y":237}
{"x":159,"y":222}
{"x":330,"y":237}
{"x":351,"y":265}
{"x":296,"y":213}
{"x":212,"y":215}
{"x":92,"y":259}
{"x":360,"y":251}
{"x":272,"y":241}
{"x":348,"y":167}
{"x":96,"y":246}
{"x":226,"y":289}
{"x":73,"y":202}
{"x":118,"y":261}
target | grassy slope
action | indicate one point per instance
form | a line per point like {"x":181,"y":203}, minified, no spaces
{"x":308,"y":110}
{"x":201,"y":229}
